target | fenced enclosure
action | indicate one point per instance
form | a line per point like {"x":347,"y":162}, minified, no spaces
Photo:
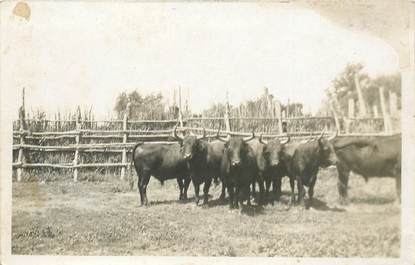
{"x":88,"y":146}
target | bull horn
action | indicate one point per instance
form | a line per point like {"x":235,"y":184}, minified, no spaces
{"x":286,"y":141}
{"x":176,"y":135}
{"x":262,"y":141}
{"x":203,"y":136}
{"x":334,"y":136}
{"x":321,"y":135}
{"x":218,"y":133}
{"x":226,"y":140}
{"x":250,"y":138}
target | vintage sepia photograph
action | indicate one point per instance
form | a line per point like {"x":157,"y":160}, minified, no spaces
{"x":217,"y":129}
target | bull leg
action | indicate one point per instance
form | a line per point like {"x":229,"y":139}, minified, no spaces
{"x":248,"y":193}
{"x":267,"y":187}
{"x":186,"y":187}
{"x":311,"y":190}
{"x":342,"y":182}
{"x":276,"y":187}
{"x":301,"y":191}
{"x":238,"y":197}
{"x":206,"y":188}
{"x":222,"y":194}
{"x":142,"y":187}
{"x":181,"y":188}
{"x":253,"y":190}
{"x":196,"y":186}
{"x":292,"y":185}
{"x":231,"y":195}
{"x":261,"y":192}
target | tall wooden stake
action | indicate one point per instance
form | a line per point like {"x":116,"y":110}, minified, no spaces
{"x":77,"y":142}
{"x":362,"y":105}
{"x":180,"y":107}
{"x":21,"y":156}
{"x":125,"y":137}
{"x":386,"y":120}
{"x":351,"y":108}
{"x":279,"y":116}
{"x":336,"y":118}
{"x":226,"y":117}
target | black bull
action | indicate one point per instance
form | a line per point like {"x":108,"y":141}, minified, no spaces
{"x":268,"y":155}
{"x":307,"y":160}
{"x":163,"y":161}
{"x":203,"y":159}
{"x":374,"y":156}
{"x":239,"y":169}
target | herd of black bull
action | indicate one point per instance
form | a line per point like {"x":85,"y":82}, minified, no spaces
{"x":241,"y":162}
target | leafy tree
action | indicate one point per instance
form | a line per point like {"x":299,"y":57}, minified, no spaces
{"x":344,"y":87}
{"x":151,"y":106}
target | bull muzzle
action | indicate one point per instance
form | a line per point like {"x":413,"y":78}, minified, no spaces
{"x":187,"y":156}
{"x":274,"y":163}
{"x":236,"y":163}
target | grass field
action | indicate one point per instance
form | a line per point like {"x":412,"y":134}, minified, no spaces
{"x":104,"y":218}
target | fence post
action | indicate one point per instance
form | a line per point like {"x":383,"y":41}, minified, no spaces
{"x":393,"y":103}
{"x":336,"y":118}
{"x":226,"y":116}
{"x":351,"y":108}
{"x":279,"y":116}
{"x":180,"y":107}
{"x":375,"y":111}
{"x":386,"y":121}
{"x":362,"y":106}
{"x":77,"y":141}
{"x":125,"y":137}
{"x":21,"y":156}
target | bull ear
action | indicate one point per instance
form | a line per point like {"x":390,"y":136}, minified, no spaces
{"x":250,"y":138}
{"x":262,"y":141}
{"x":176,"y":136}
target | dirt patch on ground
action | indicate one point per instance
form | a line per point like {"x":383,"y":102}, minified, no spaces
{"x":104,"y":218}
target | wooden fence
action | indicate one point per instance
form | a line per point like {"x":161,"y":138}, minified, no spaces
{"x":80,"y":141}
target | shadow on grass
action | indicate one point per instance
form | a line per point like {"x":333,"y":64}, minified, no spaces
{"x":167,"y":202}
{"x":372,"y":200}
{"x":252,"y":210}
{"x":322,"y":206}
{"x":218,"y":202}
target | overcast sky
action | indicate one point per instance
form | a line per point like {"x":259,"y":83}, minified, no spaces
{"x":71,"y":54}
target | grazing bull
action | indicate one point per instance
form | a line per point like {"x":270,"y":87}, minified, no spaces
{"x":203,"y":160}
{"x":267,"y":154}
{"x":306,"y":161}
{"x":374,"y":156}
{"x":238,"y":169}
{"x":163,"y":161}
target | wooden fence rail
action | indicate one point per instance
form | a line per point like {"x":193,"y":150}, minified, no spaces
{"x":79,"y":139}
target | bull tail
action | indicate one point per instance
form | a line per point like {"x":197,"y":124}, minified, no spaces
{"x":132,"y":165}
